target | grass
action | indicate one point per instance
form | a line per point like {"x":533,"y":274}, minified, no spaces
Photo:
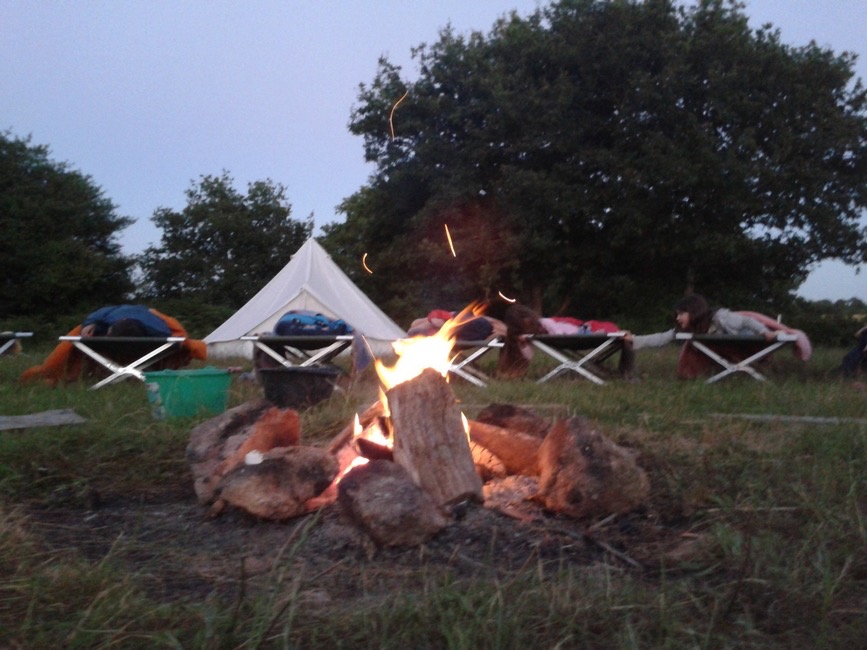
{"x":771,"y":513}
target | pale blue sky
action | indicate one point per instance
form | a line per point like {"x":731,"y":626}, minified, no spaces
{"x":146,"y":96}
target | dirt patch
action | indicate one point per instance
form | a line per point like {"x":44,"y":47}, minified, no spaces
{"x":177,"y":552}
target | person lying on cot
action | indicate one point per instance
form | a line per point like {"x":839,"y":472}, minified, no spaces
{"x":125,"y":320}
{"x":471,"y":328}
{"x":522,"y":322}
{"x":693,"y":315}
{"x":66,"y":363}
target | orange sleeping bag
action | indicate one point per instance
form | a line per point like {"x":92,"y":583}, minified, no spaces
{"x":64,"y":364}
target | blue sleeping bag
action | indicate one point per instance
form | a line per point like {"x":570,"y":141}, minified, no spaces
{"x":308,"y":323}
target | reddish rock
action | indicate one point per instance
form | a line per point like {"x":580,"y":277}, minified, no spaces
{"x":584,"y":474}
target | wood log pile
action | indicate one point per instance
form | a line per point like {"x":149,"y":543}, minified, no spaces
{"x":252,"y":458}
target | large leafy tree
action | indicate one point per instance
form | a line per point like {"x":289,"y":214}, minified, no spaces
{"x":611,"y":154}
{"x":224,"y":245}
{"x":58,"y":250}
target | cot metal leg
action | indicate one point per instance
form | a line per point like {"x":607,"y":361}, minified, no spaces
{"x":282,"y":360}
{"x":576,"y":363}
{"x":326,"y":354}
{"x":463,"y":368}
{"x":121,"y":372}
{"x":741,"y":366}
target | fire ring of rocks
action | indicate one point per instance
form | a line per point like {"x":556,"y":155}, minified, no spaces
{"x":408,"y":464}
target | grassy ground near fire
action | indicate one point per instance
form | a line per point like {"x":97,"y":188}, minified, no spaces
{"x":766,"y":484}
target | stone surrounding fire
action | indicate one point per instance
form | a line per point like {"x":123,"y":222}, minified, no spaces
{"x":568,"y":466}
{"x":385,"y":502}
{"x":584,"y":474}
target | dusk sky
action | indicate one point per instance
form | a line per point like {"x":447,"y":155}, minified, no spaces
{"x":147,"y":96}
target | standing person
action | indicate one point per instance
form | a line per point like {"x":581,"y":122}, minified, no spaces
{"x":692,"y":314}
{"x":856,"y":359}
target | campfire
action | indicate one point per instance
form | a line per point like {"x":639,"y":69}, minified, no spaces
{"x":417,"y":423}
{"x":403,"y":467}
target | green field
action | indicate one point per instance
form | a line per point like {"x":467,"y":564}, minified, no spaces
{"x":754,"y":536}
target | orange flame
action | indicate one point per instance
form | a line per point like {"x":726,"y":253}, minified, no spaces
{"x":419,"y":353}
{"x":358,"y":461}
{"x":414,"y":356}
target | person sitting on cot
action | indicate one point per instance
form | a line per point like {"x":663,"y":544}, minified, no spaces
{"x":66,"y":363}
{"x":693,"y":315}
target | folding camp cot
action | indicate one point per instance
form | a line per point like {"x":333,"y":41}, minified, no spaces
{"x":8,"y":339}
{"x":575,"y":351}
{"x":125,"y":356}
{"x":303,"y":351}
{"x":467,"y":353}
{"x":705,"y":343}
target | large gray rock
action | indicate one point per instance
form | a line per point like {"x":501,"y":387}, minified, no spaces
{"x":381,"y":498}
{"x":280,"y":485}
{"x":212,"y":441}
{"x":222,"y":443}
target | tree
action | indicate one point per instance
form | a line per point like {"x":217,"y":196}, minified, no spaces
{"x":223,"y":246}
{"x":59,"y":251}
{"x":621,"y":153}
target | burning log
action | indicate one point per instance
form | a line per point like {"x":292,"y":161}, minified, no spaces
{"x":487,"y":464}
{"x":366,"y":419}
{"x":373,"y":450}
{"x":430,"y":441}
{"x":517,"y":451}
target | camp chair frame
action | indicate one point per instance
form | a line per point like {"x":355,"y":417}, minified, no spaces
{"x":575,"y":351}
{"x":101,"y":348}
{"x":303,"y":351}
{"x":466,"y":354}
{"x":700,"y":341}
{"x":8,"y":339}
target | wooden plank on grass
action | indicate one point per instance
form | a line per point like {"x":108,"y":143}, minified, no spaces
{"x":54,"y":418}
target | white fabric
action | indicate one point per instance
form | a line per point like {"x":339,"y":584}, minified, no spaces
{"x":552,"y":326}
{"x":311,"y":280}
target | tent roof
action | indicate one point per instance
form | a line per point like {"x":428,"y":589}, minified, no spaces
{"x":311,"y":280}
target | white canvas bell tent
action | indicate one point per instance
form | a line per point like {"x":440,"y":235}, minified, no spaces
{"x":311,"y":281}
